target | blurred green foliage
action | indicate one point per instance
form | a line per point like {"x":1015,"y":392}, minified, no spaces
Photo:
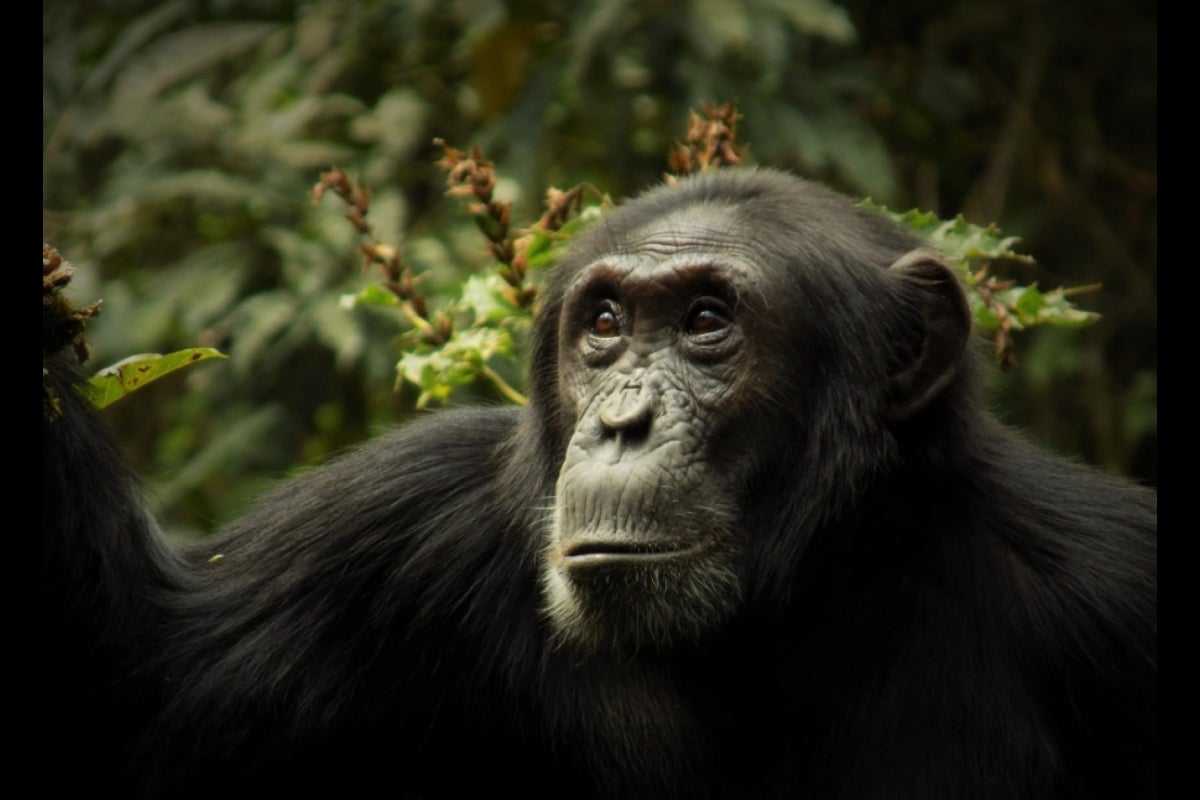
{"x":181,"y":139}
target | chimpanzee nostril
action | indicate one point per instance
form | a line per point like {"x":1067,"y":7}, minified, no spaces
{"x":627,"y":413}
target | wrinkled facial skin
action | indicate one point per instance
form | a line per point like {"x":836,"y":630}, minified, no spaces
{"x":656,"y":364}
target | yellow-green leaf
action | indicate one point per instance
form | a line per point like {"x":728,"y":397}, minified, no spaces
{"x":128,"y":375}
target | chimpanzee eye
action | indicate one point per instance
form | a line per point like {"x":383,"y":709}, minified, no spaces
{"x":606,"y":320}
{"x":706,"y":316}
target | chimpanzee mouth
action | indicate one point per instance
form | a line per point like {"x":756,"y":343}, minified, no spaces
{"x":610,"y":551}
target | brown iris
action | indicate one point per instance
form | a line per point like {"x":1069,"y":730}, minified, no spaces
{"x":607,"y":322}
{"x":706,"y":317}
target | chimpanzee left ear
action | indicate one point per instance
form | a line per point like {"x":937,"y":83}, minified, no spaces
{"x":936,"y":352}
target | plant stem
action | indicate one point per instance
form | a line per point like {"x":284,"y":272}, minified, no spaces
{"x":510,"y":394}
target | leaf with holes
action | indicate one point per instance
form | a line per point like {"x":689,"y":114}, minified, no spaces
{"x":128,"y":375}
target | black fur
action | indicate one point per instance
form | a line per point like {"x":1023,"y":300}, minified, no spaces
{"x":930,"y":606}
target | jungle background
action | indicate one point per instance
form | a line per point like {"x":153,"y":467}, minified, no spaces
{"x":181,"y":141}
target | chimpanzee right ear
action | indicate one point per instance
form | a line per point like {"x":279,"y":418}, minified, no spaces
{"x":945,"y":321}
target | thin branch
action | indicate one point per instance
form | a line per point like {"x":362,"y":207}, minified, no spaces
{"x":510,"y":394}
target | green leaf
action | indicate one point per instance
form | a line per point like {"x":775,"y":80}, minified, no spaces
{"x":986,"y":318}
{"x":962,"y":242}
{"x":487,"y":296}
{"x":1030,"y":303}
{"x":373,"y":294}
{"x":546,"y":249}
{"x":436,"y":371}
{"x":1057,"y":310}
{"x":970,"y":248}
{"x":128,"y":375}
{"x":540,"y":246}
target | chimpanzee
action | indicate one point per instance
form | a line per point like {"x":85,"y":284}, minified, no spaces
{"x":755,"y":535}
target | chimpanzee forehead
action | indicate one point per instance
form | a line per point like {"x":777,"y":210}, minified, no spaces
{"x":700,"y":243}
{"x":697,"y":229}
